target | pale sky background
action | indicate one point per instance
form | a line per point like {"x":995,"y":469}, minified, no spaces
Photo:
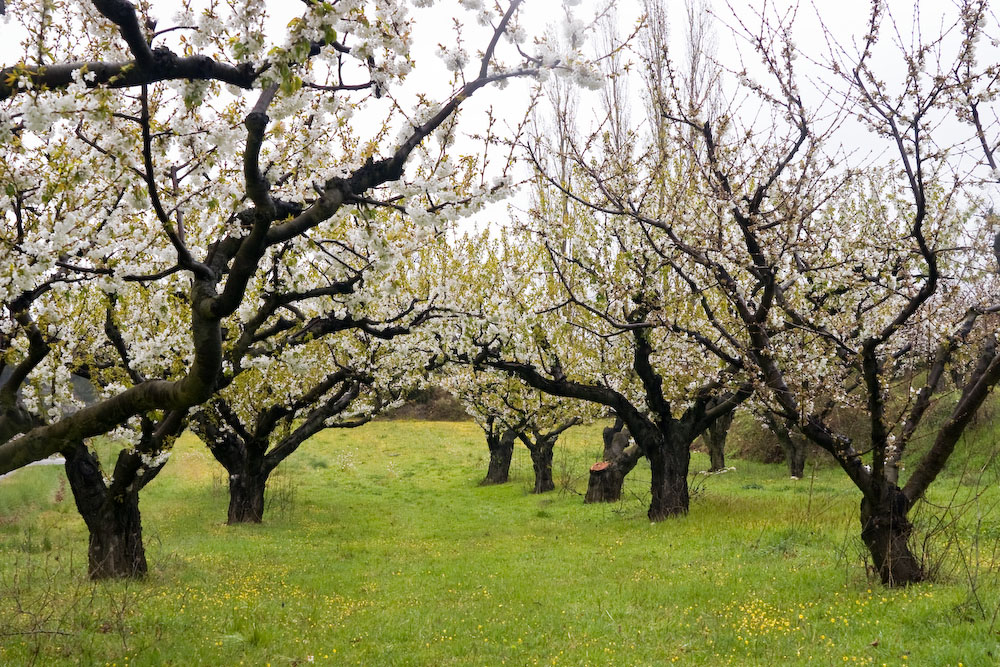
{"x":845,"y":20}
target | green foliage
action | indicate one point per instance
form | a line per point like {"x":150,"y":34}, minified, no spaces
{"x":392,"y":554}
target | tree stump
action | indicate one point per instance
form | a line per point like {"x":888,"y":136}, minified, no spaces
{"x":607,"y":477}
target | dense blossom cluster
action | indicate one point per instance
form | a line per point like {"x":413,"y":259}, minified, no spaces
{"x":231,"y":202}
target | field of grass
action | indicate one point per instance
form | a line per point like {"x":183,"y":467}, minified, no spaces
{"x":380,"y":548}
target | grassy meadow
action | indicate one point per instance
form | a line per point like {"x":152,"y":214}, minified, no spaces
{"x":380,"y":548}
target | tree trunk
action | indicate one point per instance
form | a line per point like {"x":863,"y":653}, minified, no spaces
{"x":501,"y":450}
{"x":246,"y":495}
{"x":115,"y":549}
{"x":795,"y":450}
{"x":793,"y":446}
{"x":715,"y":438}
{"x":796,"y":454}
{"x":607,"y":477}
{"x":886,"y":531}
{"x":244,"y":462}
{"x":668,"y":464}
{"x":541,"y":461}
{"x":614,"y":445}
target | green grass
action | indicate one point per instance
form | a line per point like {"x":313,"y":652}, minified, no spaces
{"x":382,"y":549}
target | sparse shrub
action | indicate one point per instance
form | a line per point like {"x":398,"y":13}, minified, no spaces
{"x":282,"y":494}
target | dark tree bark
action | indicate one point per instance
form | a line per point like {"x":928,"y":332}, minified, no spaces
{"x":242,"y":456}
{"x":541,"y":462}
{"x":796,"y":454}
{"x":886,"y":531}
{"x":793,"y":445}
{"x":110,"y":505}
{"x":715,"y":438}
{"x":541,"y":446}
{"x":248,"y":474}
{"x":247,"y":483}
{"x":612,"y":447}
{"x":607,"y":477}
{"x":501,"y":444}
{"x":668,"y":466}
{"x":115,"y":547}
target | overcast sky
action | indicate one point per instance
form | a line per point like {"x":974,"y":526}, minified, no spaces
{"x":816,"y":24}
{"x":844,"y":20}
